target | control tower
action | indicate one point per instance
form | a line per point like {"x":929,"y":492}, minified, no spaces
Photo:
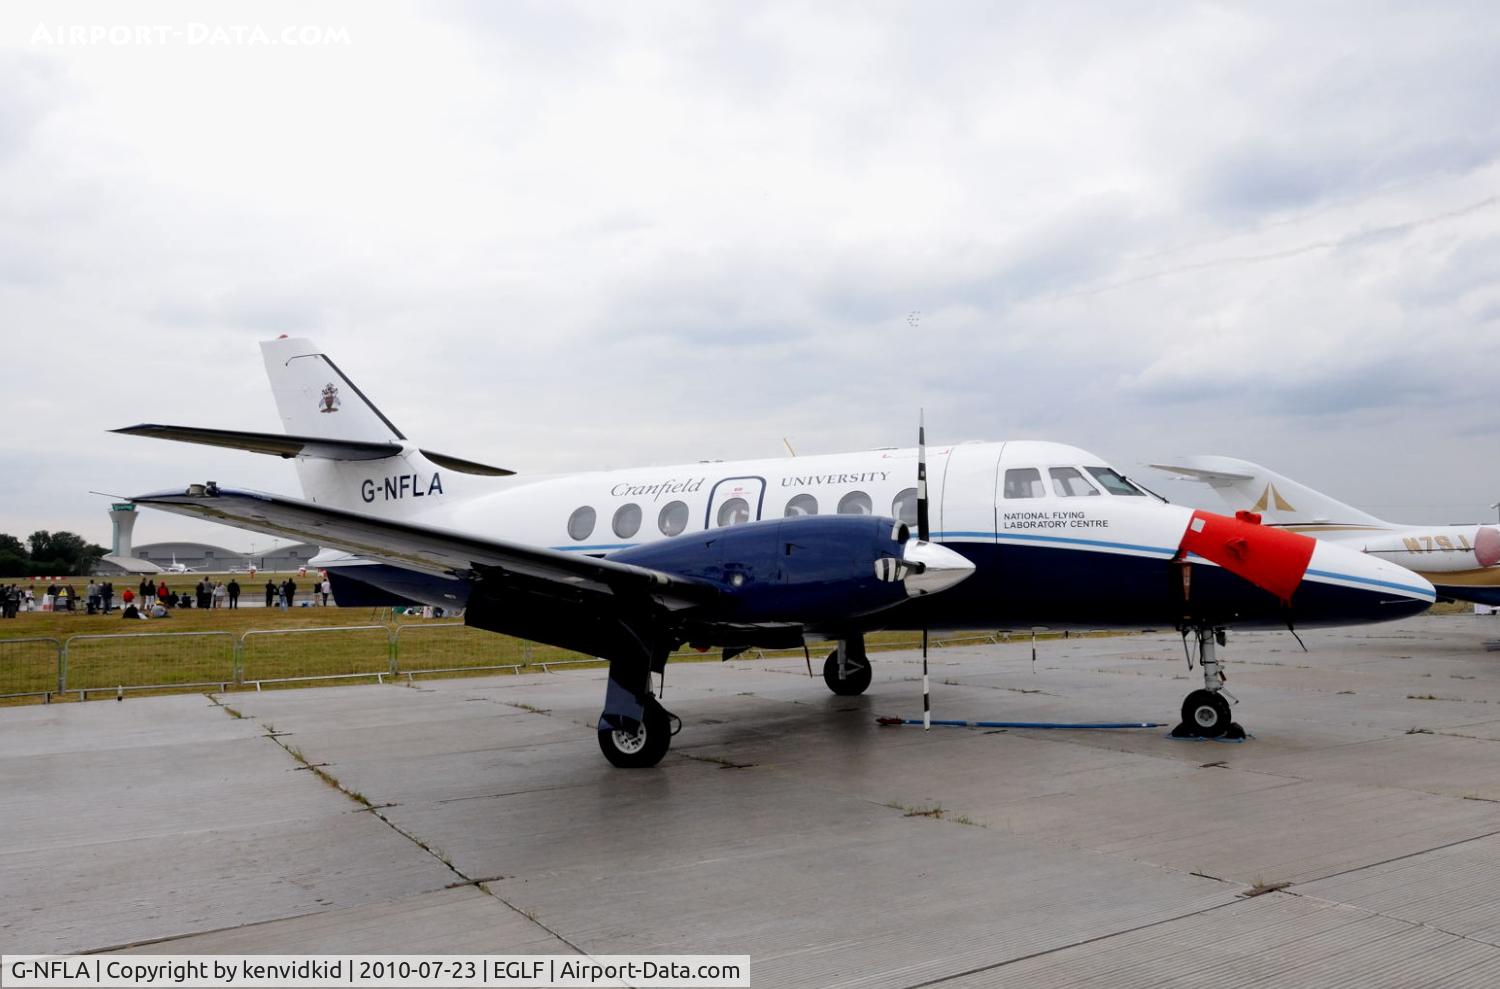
{"x":122,"y":549}
{"x":123,"y":517}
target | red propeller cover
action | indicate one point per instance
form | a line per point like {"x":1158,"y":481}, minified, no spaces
{"x":1273,"y":559}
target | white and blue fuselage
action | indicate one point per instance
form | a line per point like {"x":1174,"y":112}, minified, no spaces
{"x":1057,"y":538}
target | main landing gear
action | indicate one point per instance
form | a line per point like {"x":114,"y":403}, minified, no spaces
{"x":635,"y":731}
{"x":847,"y":669}
{"x":643,"y":746}
{"x":1205,"y":713}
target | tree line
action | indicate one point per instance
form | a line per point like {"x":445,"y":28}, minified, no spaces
{"x":47,"y":554}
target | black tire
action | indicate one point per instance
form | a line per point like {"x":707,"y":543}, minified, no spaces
{"x":642,"y":748}
{"x":1206,"y":713}
{"x":857,"y":682}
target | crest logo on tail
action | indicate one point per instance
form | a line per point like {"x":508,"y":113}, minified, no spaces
{"x":330,"y":400}
{"x":1270,"y":497}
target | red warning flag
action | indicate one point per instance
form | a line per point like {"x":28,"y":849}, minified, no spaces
{"x":1273,"y":559}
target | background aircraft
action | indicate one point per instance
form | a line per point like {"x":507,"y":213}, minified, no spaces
{"x":629,"y":565}
{"x":1461,"y":561}
{"x":176,"y":567}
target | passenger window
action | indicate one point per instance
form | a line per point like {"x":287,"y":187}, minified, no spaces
{"x":1114,"y":483}
{"x":673,"y":518}
{"x":802,"y":504}
{"x":581,"y":523}
{"x":856,"y":503}
{"x":1069,"y":483}
{"x":904,"y":506}
{"x":1024,"y":482}
{"x":627,"y":520}
{"x":733,"y":512}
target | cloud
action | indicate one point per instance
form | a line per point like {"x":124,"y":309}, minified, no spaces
{"x":558,"y":236}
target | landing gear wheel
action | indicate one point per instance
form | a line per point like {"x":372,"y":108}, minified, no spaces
{"x":1205,"y":714}
{"x":642,"y":748}
{"x":857,"y":682}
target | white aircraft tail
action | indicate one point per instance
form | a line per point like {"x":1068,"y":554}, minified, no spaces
{"x":348,"y":454}
{"x":1279,"y":500}
{"x":317,"y":401}
{"x":315,"y":398}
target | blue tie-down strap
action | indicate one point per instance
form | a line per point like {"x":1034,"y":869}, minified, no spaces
{"x":622,"y":709}
{"x":1046,"y":725}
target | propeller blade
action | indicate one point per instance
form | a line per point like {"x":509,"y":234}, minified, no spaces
{"x":923,"y":529}
{"x":926,"y":690}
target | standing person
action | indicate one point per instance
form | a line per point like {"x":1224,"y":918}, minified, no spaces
{"x":30,"y":598}
{"x":291,"y":593}
{"x":107,"y":595}
{"x":219,"y":594}
{"x":146,"y":590}
{"x":162,"y":593}
{"x":270,"y":592}
{"x":91,"y":594}
{"x":234,"y":593}
{"x":325,"y":589}
{"x":281,"y":595}
{"x":9,"y":600}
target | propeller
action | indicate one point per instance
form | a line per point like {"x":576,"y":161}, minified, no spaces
{"x":924,"y":532}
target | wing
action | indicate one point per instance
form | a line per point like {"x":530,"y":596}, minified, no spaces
{"x":430,"y":549}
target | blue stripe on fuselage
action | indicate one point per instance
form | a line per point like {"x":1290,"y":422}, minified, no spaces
{"x":1407,"y":588}
{"x":1071,"y":540}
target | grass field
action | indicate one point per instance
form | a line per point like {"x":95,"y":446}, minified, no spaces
{"x":208,"y":647}
{"x":202,"y":649}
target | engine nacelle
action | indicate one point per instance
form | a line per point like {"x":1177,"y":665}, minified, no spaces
{"x":808,"y":570}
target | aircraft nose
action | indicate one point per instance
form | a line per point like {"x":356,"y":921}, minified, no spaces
{"x":936,"y":568}
{"x":1342,"y":584}
{"x":1487,"y":546}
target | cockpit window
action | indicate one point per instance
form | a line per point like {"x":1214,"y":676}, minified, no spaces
{"x":1024,"y":482}
{"x":1114,"y":483}
{"x":1069,"y":483}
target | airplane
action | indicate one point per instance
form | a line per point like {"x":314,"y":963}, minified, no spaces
{"x":1462,"y":562}
{"x":630,"y":565}
{"x":176,"y":567}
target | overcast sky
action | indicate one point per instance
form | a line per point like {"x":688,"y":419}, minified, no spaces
{"x":556,"y":236}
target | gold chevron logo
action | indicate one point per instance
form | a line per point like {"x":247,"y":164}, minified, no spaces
{"x":1271,"y":496}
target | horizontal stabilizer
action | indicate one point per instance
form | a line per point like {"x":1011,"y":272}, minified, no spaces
{"x":281,"y":445}
{"x":465,"y":466}
{"x":1217,"y":478}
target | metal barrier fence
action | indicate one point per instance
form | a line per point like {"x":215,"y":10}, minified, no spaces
{"x":453,"y":647}
{"x":279,"y":655}
{"x":30,"y":667}
{"x":146,"y":661}
{"x":114,"y":663}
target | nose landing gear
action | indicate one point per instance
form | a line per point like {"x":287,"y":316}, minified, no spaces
{"x":1205,"y":712}
{"x":847,"y":669}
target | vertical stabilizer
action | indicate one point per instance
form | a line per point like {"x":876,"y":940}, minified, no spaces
{"x":1279,"y":500}
{"x":315,"y":398}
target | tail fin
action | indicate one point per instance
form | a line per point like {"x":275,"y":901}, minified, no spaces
{"x":1246,"y":486}
{"x":315,"y":398}
{"x":347,"y":453}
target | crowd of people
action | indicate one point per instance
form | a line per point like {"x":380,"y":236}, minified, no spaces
{"x":149,"y":598}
